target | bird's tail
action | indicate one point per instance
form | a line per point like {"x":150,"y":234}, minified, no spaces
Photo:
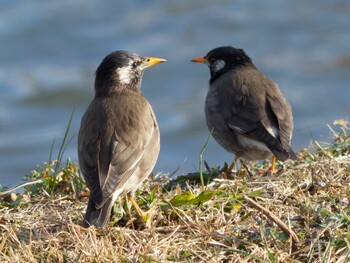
{"x":292,"y":154}
{"x":97,"y":217}
{"x":274,"y":144}
{"x":282,"y":154}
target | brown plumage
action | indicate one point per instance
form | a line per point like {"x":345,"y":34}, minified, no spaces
{"x":246,"y":110}
{"x":118,"y":141}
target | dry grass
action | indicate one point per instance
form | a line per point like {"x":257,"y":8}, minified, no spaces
{"x":300,"y":214}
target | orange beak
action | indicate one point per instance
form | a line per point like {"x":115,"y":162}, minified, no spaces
{"x":200,"y":60}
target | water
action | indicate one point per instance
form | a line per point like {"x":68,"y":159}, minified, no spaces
{"x":50,"y":50}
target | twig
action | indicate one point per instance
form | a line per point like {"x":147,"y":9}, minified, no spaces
{"x":317,"y":239}
{"x":60,"y":222}
{"x":275,"y":219}
{"x":21,"y":185}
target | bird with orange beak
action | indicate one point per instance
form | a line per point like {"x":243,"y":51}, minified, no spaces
{"x":246,"y":111}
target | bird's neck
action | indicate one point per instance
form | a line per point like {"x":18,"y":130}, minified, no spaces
{"x":230,"y":68}
{"x":110,"y":88}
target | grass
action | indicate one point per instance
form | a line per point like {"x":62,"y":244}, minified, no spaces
{"x":299,"y":214}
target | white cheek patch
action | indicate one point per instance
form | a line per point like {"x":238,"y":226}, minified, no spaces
{"x":218,"y":65}
{"x":124,"y":75}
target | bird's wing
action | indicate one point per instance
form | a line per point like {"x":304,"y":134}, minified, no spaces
{"x":244,"y":114}
{"x":280,"y":110}
{"x":88,"y":148}
{"x":114,"y":150}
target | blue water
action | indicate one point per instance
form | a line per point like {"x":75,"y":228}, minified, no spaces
{"x":50,"y":50}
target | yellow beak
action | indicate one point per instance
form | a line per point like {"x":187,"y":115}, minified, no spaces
{"x":149,"y":61}
{"x":200,"y":60}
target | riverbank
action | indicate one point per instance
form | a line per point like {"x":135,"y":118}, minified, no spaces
{"x":299,"y":214}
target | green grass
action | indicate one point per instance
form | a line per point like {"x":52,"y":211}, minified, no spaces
{"x":299,"y":214}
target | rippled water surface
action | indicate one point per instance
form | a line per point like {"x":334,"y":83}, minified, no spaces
{"x":50,"y":50}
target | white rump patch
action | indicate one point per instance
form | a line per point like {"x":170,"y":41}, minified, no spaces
{"x":124,"y":74}
{"x":218,"y":65}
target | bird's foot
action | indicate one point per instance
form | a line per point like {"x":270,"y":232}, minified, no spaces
{"x":264,"y":172}
{"x":229,"y":175}
{"x":272,"y":168}
{"x":141,"y":214}
{"x":270,"y":171}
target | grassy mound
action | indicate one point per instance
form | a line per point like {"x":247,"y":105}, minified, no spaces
{"x":299,"y":214}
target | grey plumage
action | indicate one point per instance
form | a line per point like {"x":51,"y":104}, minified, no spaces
{"x":118,"y":141}
{"x":248,"y":112}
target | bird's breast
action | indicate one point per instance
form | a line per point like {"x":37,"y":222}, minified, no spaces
{"x":217,"y":122}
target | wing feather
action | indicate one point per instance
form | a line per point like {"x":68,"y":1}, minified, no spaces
{"x":110,"y":152}
{"x":248,"y":110}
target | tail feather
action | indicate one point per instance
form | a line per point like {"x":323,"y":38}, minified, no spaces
{"x":284,"y":154}
{"x":280,"y":155}
{"x":97,"y":217}
{"x":292,"y":154}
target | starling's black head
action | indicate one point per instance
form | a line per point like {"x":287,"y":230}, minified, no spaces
{"x":120,"y":70}
{"x":222,"y":59}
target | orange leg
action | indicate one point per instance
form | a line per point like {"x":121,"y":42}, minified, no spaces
{"x":272,"y":168}
{"x":273,"y":163}
{"x":139,"y":211}
{"x":229,"y":169}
